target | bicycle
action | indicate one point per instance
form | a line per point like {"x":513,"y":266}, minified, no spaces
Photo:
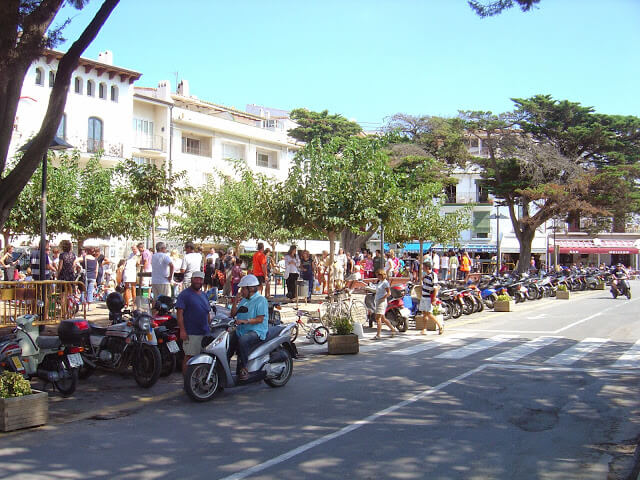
{"x":340,"y":304}
{"x":320,"y":334}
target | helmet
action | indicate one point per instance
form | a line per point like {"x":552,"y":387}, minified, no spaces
{"x":249,"y":281}
{"x":115,"y":302}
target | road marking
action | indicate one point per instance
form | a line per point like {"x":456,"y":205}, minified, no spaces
{"x":349,"y":428}
{"x":476,"y":347}
{"x":377,"y":344}
{"x":537,"y":317}
{"x":516,"y":353}
{"x":436,"y":342}
{"x":578,"y":351}
{"x":630,"y":358}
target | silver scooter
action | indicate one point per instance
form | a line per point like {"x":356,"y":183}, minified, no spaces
{"x":210,"y":372}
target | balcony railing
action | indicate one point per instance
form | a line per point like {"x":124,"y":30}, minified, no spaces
{"x":200,"y":150}
{"x":150,"y":142}
{"x":92,"y":145}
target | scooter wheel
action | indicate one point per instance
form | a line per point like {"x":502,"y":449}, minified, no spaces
{"x":283,"y":378}
{"x":195,"y":382}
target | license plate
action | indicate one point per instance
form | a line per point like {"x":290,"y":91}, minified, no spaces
{"x":173,"y":346}
{"x":17,"y":363}
{"x":75,"y":360}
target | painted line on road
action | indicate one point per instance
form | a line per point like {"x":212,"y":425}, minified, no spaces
{"x":349,"y":428}
{"x":436,"y":342}
{"x":578,"y":351}
{"x":630,"y":358}
{"x":476,"y":347}
{"x":516,"y":353}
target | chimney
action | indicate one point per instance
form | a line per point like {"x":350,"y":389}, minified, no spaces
{"x":106,"y":57}
{"x":164,"y":90}
{"x":183,"y":88}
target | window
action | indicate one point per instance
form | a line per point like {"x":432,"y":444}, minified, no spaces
{"x":90,"y":88}
{"x":77,"y":85}
{"x":39,"y":76}
{"x":52,"y":78}
{"x":142,"y":160}
{"x":143,"y":131}
{"x":482,"y":192}
{"x":450,"y":192}
{"x":481,"y":224}
{"x":62,"y":127}
{"x":102,"y":91}
{"x":232,"y":151}
{"x":266,"y":159}
{"x":114,"y":93}
{"x":191,"y":145}
{"x":94,"y":136}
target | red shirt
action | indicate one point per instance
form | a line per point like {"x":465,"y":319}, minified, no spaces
{"x":259,"y":264}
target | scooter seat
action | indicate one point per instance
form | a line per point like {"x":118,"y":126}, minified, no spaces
{"x":97,"y":330}
{"x":273,"y":332}
{"x":48,"y":343}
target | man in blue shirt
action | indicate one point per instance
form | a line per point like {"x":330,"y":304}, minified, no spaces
{"x":192,"y":313}
{"x":252,"y":326}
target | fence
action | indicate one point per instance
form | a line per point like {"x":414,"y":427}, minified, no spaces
{"x":51,"y":300}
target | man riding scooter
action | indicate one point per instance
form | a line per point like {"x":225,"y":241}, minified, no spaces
{"x":620,"y":282}
{"x":252,"y":326}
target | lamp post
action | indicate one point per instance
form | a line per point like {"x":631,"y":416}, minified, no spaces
{"x":56,"y":144}
{"x":498,"y":216}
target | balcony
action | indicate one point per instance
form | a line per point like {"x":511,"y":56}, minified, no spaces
{"x":194,"y":146}
{"x":150,"y":142}
{"x":92,"y":145}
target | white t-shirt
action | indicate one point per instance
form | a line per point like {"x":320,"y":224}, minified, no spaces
{"x":160,"y":268}
{"x":444,"y":262}
{"x":130,"y":269}
{"x":191,"y":263}
{"x":435,"y":261}
{"x":381,"y":291}
{"x":212,"y":255}
{"x":291,"y":265}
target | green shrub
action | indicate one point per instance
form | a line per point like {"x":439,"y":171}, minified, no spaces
{"x":437,"y":310}
{"x":342,"y":326}
{"x":563,"y":288}
{"x":14,"y":385}
{"x":504,"y":298}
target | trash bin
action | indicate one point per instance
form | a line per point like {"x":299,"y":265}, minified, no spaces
{"x":302,"y":288}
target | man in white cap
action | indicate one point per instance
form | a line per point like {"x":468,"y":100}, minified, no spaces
{"x":252,"y":326}
{"x":192,"y":312}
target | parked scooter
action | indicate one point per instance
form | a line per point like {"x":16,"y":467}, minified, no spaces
{"x":131,"y":342}
{"x":210,"y":372}
{"x":397,"y":314}
{"x":52,"y":359}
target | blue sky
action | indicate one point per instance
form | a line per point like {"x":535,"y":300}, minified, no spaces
{"x":370,"y":59}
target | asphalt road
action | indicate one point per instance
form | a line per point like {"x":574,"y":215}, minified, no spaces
{"x":549,"y":391}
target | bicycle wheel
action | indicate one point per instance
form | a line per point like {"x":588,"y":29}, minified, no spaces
{"x":320,"y":335}
{"x":358,"y":312}
{"x":294,"y":333}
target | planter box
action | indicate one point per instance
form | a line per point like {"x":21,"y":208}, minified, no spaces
{"x":562,"y":295}
{"x":600,"y":286}
{"x":502,"y":306}
{"x":421,"y":322}
{"x":23,"y":412}
{"x":343,"y":344}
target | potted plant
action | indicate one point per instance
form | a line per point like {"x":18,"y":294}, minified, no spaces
{"x":343,"y":340}
{"x":20,"y":406}
{"x":562,"y":293}
{"x":502,"y":303}
{"x":438,"y":313}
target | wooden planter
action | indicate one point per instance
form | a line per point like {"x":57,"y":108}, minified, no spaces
{"x":421,"y":322}
{"x":562,"y":295}
{"x":343,"y":344}
{"x":502,"y":306}
{"x":23,"y":412}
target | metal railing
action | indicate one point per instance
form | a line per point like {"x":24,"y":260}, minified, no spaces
{"x":150,"y":142}
{"x":51,"y":300}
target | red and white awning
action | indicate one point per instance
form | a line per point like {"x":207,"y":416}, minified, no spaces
{"x":610,"y":247}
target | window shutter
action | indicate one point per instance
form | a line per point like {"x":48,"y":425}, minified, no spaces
{"x":481,"y":222}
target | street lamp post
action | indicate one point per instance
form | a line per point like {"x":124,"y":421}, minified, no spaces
{"x":56,"y":144}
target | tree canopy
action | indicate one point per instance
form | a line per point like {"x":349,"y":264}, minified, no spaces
{"x":321,"y":126}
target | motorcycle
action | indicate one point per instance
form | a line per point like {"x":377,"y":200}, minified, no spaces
{"x":209,"y":372}
{"x":620,"y":286}
{"x":52,"y":359}
{"x":397,"y":314}
{"x":165,"y":326}
{"x":132,"y":342}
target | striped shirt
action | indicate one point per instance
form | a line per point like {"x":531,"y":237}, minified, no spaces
{"x":428,"y":283}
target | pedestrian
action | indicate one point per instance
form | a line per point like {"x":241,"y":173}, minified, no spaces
{"x":270,"y":270}
{"x":429,"y":293}
{"x":291,"y":272}
{"x":325,"y":267}
{"x":465,"y":265}
{"x":67,"y":262}
{"x":129,"y":276}
{"x":444,"y":266}
{"x":192,"y":314}
{"x":161,"y":271}
{"x":209,"y":273}
{"x":307,"y":268}
{"x":191,"y":263}
{"x":453,"y":266}
{"x":213,"y":255}
{"x":145,"y":264}
{"x":102,"y":262}
{"x":236,"y":275}
{"x":8,"y":264}
{"x":383,"y":291}
{"x":340,"y":266}
{"x":90,"y":266}
{"x":368,"y":265}
{"x":34,"y":261}
{"x":435,"y":262}
{"x":378,"y":262}
{"x":260,"y":266}
{"x":176,"y":281}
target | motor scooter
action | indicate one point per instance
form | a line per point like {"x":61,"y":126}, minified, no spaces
{"x":209,"y":372}
{"x":620,"y":286}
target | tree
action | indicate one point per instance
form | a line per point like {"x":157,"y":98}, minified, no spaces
{"x":321,"y":126}
{"x":24,"y":33}
{"x":150,"y":187}
{"x":496,"y":7}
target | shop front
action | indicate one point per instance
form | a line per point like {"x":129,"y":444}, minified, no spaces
{"x":596,"y":251}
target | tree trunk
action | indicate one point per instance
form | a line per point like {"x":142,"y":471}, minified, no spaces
{"x":525,"y":239}
{"x":13,"y":183}
{"x":421,"y":259}
{"x":7,"y":238}
{"x":351,"y":241}
{"x":153,"y":232}
{"x":332,"y":250}
{"x":619,"y":223}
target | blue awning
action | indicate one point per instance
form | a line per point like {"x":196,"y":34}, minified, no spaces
{"x":412,"y":247}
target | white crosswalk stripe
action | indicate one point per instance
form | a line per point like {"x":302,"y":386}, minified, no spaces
{"x":378,"y":344}
{"x":436,"y":342}
{"x":630,"y":358}
{"x":516,"y":353}
{"x":576,"y":352}
{"x":476,"y":347}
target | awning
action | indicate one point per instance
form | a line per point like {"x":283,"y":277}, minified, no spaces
{"x":511,"y":245}
{"x":412,"y":247}
{"x":595,"y":246}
